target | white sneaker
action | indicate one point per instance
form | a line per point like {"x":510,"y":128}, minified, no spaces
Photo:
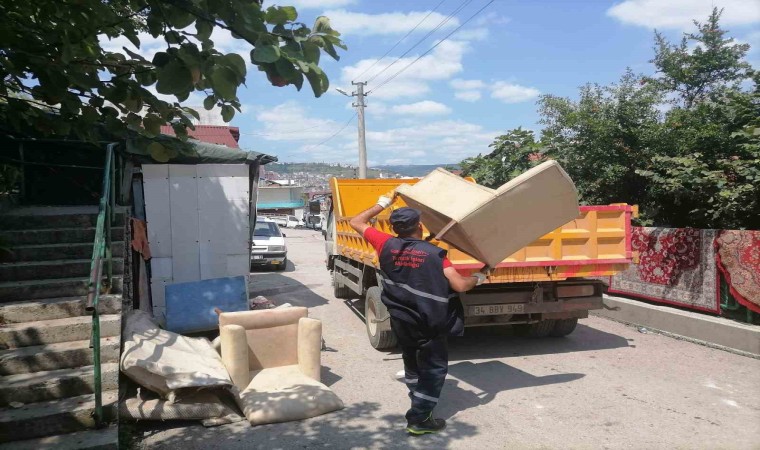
{"x":400,"y":375}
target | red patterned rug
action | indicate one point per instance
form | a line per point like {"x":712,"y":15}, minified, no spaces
{"x":676,"y":266}
{"x":738,"y":258}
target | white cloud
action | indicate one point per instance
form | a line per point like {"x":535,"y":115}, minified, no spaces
{"x":423,"y":108}
{"x":441,"y":141}
{"x":290,"y":122}
{"x":445,"y":141}
{"x":386,"y":23}
{"x":468,"y":96}
{"x":513,"y":93}
{"x":458,"y":83}
{"x":473,"y":34}
{"x":678,"y":14}
{"x":442,"y":63}
{"x":314,"y":4}
{"x":467,"y":90}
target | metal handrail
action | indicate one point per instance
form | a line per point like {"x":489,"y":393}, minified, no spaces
{"x":101,"y":252}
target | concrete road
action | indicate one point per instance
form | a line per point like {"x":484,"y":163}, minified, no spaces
{"x":604,"y":386}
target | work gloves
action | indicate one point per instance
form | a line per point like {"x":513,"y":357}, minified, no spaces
{"x":387,"y":199}
{"x":481,"y":278}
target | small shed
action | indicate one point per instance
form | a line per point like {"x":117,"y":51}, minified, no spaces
{"x":199,"y":211}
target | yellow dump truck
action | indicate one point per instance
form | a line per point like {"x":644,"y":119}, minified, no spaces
{"x":541,"y":290}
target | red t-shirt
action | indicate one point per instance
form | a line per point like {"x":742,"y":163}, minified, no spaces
{"x":377,"y":239}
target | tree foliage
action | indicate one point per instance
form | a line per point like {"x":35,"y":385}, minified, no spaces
{"x":513,"y":153}
{"x":684,"y":144}
{"x":52,"y":54}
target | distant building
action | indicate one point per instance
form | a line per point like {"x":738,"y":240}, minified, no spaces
{"x":276,"y":199}
{"x":213,"y":134}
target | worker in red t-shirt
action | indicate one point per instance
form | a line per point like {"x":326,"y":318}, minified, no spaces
{"x":419,"y":289}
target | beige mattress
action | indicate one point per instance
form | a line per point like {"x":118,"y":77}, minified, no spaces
{"x":491,"y":224}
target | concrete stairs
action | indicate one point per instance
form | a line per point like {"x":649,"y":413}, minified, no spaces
{"x":46,"y":372}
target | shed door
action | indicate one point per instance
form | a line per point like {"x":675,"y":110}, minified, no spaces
{"x":198,"y":223}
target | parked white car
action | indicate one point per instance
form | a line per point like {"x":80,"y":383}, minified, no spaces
{"x":268,"y":248}
{"x":286,"y":221}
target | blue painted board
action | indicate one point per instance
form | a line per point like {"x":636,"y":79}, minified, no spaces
{"x":190,"y":306}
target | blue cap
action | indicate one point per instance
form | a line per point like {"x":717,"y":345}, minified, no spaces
{"x":404,"y":220}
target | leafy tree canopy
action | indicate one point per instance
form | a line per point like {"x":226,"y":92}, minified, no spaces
{"x":684,"y":144}
{"x":52,"y":55}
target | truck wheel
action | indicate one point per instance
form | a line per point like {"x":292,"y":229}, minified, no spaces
{"x":535,"y":330}
{"x":380,"y":333}
{"x":340,"y":290}
{"x":563,"y":327}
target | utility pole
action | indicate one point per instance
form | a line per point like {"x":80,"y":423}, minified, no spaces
{"x":359,"y":105}
{"x":360,"y":118}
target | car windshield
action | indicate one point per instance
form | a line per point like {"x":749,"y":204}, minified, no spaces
{"x":267,"y":229}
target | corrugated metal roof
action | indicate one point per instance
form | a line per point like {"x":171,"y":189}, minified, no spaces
{"x":213,"y":134}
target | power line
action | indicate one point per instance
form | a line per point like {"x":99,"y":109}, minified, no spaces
{"x":324,"y":141}
{"x":438,"y":27}
{"x":388,"y":80}
{"x":400,"y":40}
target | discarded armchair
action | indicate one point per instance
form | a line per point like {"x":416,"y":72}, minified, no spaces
{"x":273,"y":357}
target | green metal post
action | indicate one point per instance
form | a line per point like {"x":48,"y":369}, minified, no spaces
{"x":96,"y":369}
{"x":101,"y":249}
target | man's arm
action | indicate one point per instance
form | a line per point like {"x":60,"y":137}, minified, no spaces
{"x":360,"y":222}
{"x":461,"y":283}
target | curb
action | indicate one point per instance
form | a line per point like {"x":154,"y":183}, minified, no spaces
{"x":716,"y":332}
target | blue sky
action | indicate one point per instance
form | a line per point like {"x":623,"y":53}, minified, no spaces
{"x":478,"y":83}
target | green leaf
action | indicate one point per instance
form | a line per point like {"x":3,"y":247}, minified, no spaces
{"x":310,"y":52}
{"x":146,"y":78}
{"x":286,"y":70}
{"x":174,"y":78}
{"x":152,"y":124}
{"x":178,"y":17}
{"x":225,"y":83}
{"x":228,"y":112}
{"x":133,"y":104}
{"x":173,"y":37}
{"x":160,"y":153}
{"x":278,"y":15}
{"x":192,"y":112}
{"x":154,"y":23}
{"x":330,"y":50}
{"x":265,"y":54}
{"x":203,"y":29}
{"x":236,"y":63}
{"x":322,"y":25}
{"x":160,"y":59}
{"x":209,"y":102}
{"x":318,"y":80}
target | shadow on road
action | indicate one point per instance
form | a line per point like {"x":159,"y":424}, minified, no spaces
{"x":282,"y":289}
{"x":356,"y":426}
{"x":489,"y":378}
{"x":498,"y":342}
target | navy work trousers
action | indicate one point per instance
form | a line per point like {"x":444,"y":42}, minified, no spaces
{"x":426,"y":363}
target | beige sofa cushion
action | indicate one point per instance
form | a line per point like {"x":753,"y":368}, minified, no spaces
{"x":272,"y":335}
{"x":282,"y":394}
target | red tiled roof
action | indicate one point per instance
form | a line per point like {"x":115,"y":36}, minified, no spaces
{"x":213,"y":134}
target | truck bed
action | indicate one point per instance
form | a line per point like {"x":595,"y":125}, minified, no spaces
{"x":597,"y":243}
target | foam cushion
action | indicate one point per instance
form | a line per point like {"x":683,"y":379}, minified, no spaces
{"x":282,"y":394}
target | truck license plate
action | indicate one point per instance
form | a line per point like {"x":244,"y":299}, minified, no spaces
{"x":258,"y":256}
{"x":493,"y":310}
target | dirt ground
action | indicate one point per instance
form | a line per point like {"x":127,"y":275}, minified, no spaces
{"x":604,"y":386}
